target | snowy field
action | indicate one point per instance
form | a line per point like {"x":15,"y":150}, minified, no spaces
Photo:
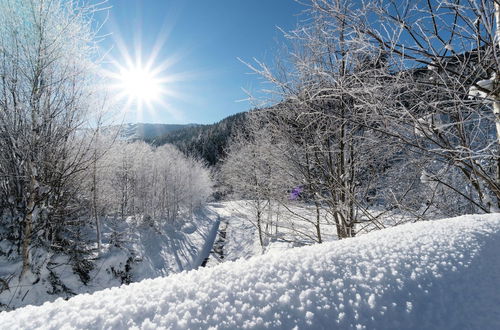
{"x":429,"y":275}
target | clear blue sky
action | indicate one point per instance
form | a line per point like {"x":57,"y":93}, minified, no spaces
{"x":202,"y":40}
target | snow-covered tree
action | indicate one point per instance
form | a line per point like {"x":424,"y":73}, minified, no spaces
{"x":400,"y":87}
{"x":327,"y":130}
{"x":160,"y":184}
{"x":441,"y":53}
{"x":47,"y":80}
{"x":253,"y":174}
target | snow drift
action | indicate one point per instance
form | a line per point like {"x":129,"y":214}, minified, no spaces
{"x":432,"y":275}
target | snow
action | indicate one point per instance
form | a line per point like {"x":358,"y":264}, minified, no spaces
{"x":144,"y":252}
{"x":441,"y":274}
{"x":487,"y":84}
{"x":286,"y":228}
{"x":241,"y":239}
{"x":428,"y":125}
{"x":209,"y":242}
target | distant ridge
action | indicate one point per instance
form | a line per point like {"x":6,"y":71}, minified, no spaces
{"x":207,"y":142}
{"x":145,"y":131}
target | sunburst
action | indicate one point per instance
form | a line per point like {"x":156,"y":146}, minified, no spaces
{"x":139,"y":85}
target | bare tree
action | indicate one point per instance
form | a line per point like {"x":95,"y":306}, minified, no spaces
{"x":320,"y":116}
{"x":249,"y":171}
{"x":444,"y":62}
{"x":47,"y":59}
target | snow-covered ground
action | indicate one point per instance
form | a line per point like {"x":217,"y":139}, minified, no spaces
{"x":131,"y":252}
{"x":429,"y":275}
{"x":284,"y":227}
{"x":287,"y":228}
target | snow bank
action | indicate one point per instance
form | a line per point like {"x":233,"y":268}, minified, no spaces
{"x":433,"y":275}
{"x":144,"y":252}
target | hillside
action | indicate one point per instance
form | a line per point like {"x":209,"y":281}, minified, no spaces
{"x":131,"y":252}
{"x":427,"y":275}
{"x":146,"y":131}
{"x":208,"y":142}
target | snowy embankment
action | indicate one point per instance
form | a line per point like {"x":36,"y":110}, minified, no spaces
{"x":432,"y":275}
{"x":130,"y":252}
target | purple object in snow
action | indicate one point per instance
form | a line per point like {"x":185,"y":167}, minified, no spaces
{"x":295,"y":192}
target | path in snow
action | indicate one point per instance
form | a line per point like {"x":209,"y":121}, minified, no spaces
{"x":237,"y":237}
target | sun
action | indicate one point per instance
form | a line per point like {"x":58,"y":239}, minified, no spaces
{"x":145,"y":82}
{"x":139,"y":85}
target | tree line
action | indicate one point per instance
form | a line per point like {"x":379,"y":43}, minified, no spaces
{"x":207,"y":142}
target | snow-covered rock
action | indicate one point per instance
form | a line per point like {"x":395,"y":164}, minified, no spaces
{"x":430,"y":275}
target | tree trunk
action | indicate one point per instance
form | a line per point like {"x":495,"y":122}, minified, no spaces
{"x":496,"y":103}
{"x":28,"y":224}
{"x":95,"y":198}
{"x":259,"y":228}
{"x":318,"y":225}
{"x":339,"y":225}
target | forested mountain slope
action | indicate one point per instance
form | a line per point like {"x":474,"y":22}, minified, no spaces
{"x":145,"y":131}
{"x":208,"y":142}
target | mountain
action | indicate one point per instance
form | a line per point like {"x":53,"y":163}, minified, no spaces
{"x":208,"y":142}
{"x":144,"y":131}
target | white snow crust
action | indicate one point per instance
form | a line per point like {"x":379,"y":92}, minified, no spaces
{"x":441,"y":274}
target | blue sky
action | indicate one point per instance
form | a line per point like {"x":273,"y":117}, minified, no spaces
{"x":201,"y":41}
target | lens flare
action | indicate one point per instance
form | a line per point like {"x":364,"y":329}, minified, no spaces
{"x":140,"y":85}
{"x":151,"y":83}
